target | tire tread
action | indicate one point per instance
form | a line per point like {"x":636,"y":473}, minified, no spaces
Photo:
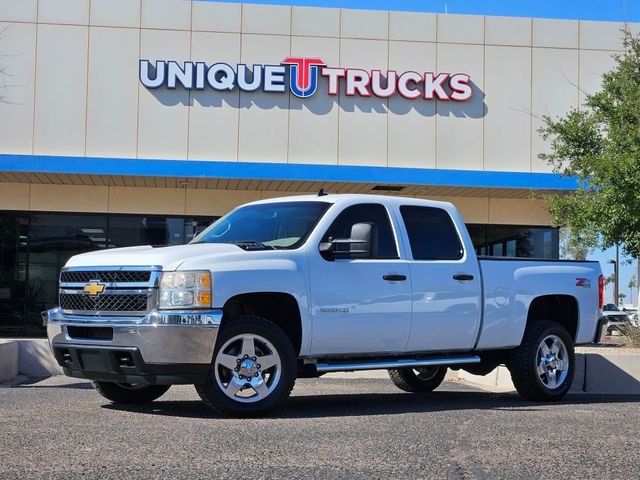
{"x":117,"y":394}
{"x":405,"y":379}
{"x":520,"y":363}
{"x":245,"y":409}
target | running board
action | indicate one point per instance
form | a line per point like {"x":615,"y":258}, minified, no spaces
{"x":407,"y":363}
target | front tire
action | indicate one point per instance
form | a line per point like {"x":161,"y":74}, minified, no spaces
{"x":253,"y":370}
{"x":418,"y":380}
{"x":127,"y":393}
{"x":543,"y":366}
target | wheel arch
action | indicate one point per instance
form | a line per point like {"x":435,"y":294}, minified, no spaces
{"x":560,"y":308}
{"x":280,"y":308}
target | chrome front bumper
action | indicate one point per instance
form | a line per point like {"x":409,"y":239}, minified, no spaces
{"x":161,"y":337}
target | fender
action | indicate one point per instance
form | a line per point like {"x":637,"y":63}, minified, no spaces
{"x":283,"y":271}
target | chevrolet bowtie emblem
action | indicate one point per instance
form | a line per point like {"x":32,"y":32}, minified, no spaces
{"x":94,"y":288}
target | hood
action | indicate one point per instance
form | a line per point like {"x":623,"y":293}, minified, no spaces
{"x":169,"y":258}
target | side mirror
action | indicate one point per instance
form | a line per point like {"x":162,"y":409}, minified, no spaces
{"x":361,"y":241}
{"x":359,"y":245}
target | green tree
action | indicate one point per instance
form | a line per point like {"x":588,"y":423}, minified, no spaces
{"x":599,"y":144}
{"x":577,"y":245}
{"x":632,"y":284}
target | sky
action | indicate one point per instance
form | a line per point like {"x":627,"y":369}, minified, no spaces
{"x":605,"y":10}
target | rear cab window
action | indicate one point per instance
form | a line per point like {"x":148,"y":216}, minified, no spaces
{"x":432,"y":233}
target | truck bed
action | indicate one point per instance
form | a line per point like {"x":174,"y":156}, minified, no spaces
{"x":510,"y":284}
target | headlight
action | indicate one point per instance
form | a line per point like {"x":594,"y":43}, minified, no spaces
{"x":185,"y":289}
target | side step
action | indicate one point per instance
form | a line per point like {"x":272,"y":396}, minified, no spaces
{"x":406,"y":363}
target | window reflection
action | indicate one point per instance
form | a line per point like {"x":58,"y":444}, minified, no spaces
{"x":13,"y":272}
{"x":52,"y":239}
{"x":515,"y":241}
{"x":478,"y":234}
{"x":35,"y":246}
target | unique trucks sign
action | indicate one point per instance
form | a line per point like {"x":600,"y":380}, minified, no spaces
{"x":303,"y":79}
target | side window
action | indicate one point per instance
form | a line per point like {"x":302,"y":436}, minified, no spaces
{"x":432,"y":234}
{"x":366,"y":213}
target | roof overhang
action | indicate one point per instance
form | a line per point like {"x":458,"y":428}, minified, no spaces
{"x":285,"y":177}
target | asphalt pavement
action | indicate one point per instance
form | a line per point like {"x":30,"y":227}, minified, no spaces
{"x":353,"y":428}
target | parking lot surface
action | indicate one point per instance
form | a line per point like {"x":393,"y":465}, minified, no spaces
{"x":330,"y":428}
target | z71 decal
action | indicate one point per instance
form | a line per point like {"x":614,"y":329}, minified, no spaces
{"x":583,"y":282}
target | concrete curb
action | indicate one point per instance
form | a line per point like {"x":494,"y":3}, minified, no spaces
{"x":35,"y":358}
{"x":613,"y":373}
{"x":28,"y":356}
{"x":608,"y":372}
{"x":8,"y":359}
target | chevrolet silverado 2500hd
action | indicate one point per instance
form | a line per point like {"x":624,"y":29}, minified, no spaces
{"x":300,"y":286}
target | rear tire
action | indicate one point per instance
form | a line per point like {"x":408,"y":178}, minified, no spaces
{"x":418,"y":380}
{"x":126,"y":393}
{"x":253,"y":370}
{"x":543,"y":366}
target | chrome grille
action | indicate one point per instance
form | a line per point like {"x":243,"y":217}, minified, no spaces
{"x":126,"y":291}
{"x":110,"y":303}
{"x":116,"y":276}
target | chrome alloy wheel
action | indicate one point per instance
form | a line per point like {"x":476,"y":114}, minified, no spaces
{"x":552,"y":362}
{"x":247,"y":368}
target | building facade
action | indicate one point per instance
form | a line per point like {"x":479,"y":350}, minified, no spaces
{"x":139,"y":121}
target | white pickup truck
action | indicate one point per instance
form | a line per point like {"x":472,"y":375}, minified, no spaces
{"x":295,"y":287}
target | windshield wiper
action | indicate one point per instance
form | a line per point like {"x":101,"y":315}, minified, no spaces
{"x":252,"y":245}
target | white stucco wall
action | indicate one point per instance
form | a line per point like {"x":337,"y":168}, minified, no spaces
{"x":72,"y":87}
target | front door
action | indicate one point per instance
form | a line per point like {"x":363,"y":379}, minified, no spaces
{"x":361,"y":305}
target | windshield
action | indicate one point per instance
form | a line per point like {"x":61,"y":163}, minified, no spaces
{"x":275,"y":225}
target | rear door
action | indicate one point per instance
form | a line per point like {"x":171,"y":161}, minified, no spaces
{"x":446,"y":283}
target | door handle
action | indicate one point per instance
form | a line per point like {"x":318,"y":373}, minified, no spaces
{"x":394,"y":278}
{"x":463,"y":277}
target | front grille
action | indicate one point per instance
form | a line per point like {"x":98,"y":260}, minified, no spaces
{"x":105,"y":303}
{"x":119,"y":276}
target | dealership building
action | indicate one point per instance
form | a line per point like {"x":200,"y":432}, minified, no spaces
{"x":128,"y":122}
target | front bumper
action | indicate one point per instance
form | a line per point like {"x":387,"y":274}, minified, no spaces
{"x":161,"y":347}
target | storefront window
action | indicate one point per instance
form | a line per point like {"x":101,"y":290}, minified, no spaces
{"x":126,"y":231}
{"x":131,"y":230}
{"x":35,"y":246}
{"x":515,"y":241}
{"x":478,"y":234}
{"x":13,"y":272}
{"x":53,"y":239}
